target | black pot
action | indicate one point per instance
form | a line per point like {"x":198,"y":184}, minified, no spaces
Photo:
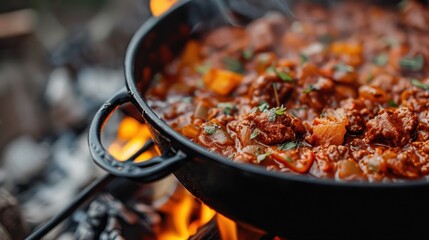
{"x":295,"y":206}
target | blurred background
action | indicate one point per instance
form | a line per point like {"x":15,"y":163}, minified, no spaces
{"x":59,"y":61}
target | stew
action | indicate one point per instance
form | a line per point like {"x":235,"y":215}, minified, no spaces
{"x":340,"y":92}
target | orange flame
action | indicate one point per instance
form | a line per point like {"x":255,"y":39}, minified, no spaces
{"x":158,"y":7}
{"x":131,"y":136}
{"x":184,"y":214}
{"x":227,"y":228}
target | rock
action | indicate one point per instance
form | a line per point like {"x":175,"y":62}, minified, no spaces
{"x":68,"y":109}
{"x":70,"y":171}
{"x":24,"y":158}
{"x":99,"y":84}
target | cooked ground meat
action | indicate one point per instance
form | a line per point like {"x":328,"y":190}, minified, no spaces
{"x":335,"y":92}
{"x":390,"y":127}
{"x":270,"y":127}
{"x":265,"y":87}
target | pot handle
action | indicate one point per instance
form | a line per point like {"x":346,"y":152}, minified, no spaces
{"x":147,"y":171}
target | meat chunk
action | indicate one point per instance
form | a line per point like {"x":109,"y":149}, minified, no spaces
{"x":402,"y":163}
{"x":416,"y":15}
{"x":356,"y":123}
{"x":317,"y":92}
{"x":274,"y":132}
{"x":325,"y":159}
{"x":223,"y":36}
{"x":393,"y":127}
{"x":268,"y":127}
{"x":261,"y":35}
{"x":262,"y":89}
{"x":262,"y":32}
{"x":358,"y":111}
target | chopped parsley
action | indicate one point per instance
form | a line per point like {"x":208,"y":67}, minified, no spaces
{"x":303,"y":58}
{"x":369,"y":78}
{"x":389,"y":41}
{"x":247,"y":54}
{"x":187,"y":99}
{"x":280,"y":110}
{"x":263,"y":58}
{"x":381,"y":59}
{"x":289,"y":159}
{"x":263,"y":106}
{"x":202,"y":69}
{"x":294,"y":111}
{"x":270,"y":69}
{"x":325,"y":39}
{"x":309,"y":89}
{"x":210,"y":129}
{"x":254,"y":134}
{"x":419,"y":84}
{"x":392,"y":103}
{"x":373,"y":168}
{"x":272,"y":115}
{"x":284,"y":76}
{"x":262,"y":157}
{"x":288,"y":146}
{"x":157,"y":78}
{"x":344,"y":68}
{"x":253,"y":110}
{"x":412,"y":64}
{"x":233,"y":64}
{"x":227,"y":108}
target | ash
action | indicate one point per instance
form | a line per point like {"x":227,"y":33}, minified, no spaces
{"x":59,"y":61}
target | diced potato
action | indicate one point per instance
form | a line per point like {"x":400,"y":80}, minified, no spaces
{"x":350,"y":52}
{"x":221,"y":81}
{"x":374,"y":94}
{"x":346,"y":48}
{"x":395,"y":56}
{"x":329,"y":133}
{"x":190,"y":131}
{"x":348,"y":170}
{"x":298,"y":160}
{"x":190,"y":55}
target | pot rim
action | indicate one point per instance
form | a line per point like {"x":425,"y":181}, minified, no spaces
{"x":155,"y":121}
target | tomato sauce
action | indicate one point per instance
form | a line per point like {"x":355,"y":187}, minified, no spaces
{"x":340,"y":92}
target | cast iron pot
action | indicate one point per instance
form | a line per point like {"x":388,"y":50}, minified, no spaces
{"x":290,"y":205}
